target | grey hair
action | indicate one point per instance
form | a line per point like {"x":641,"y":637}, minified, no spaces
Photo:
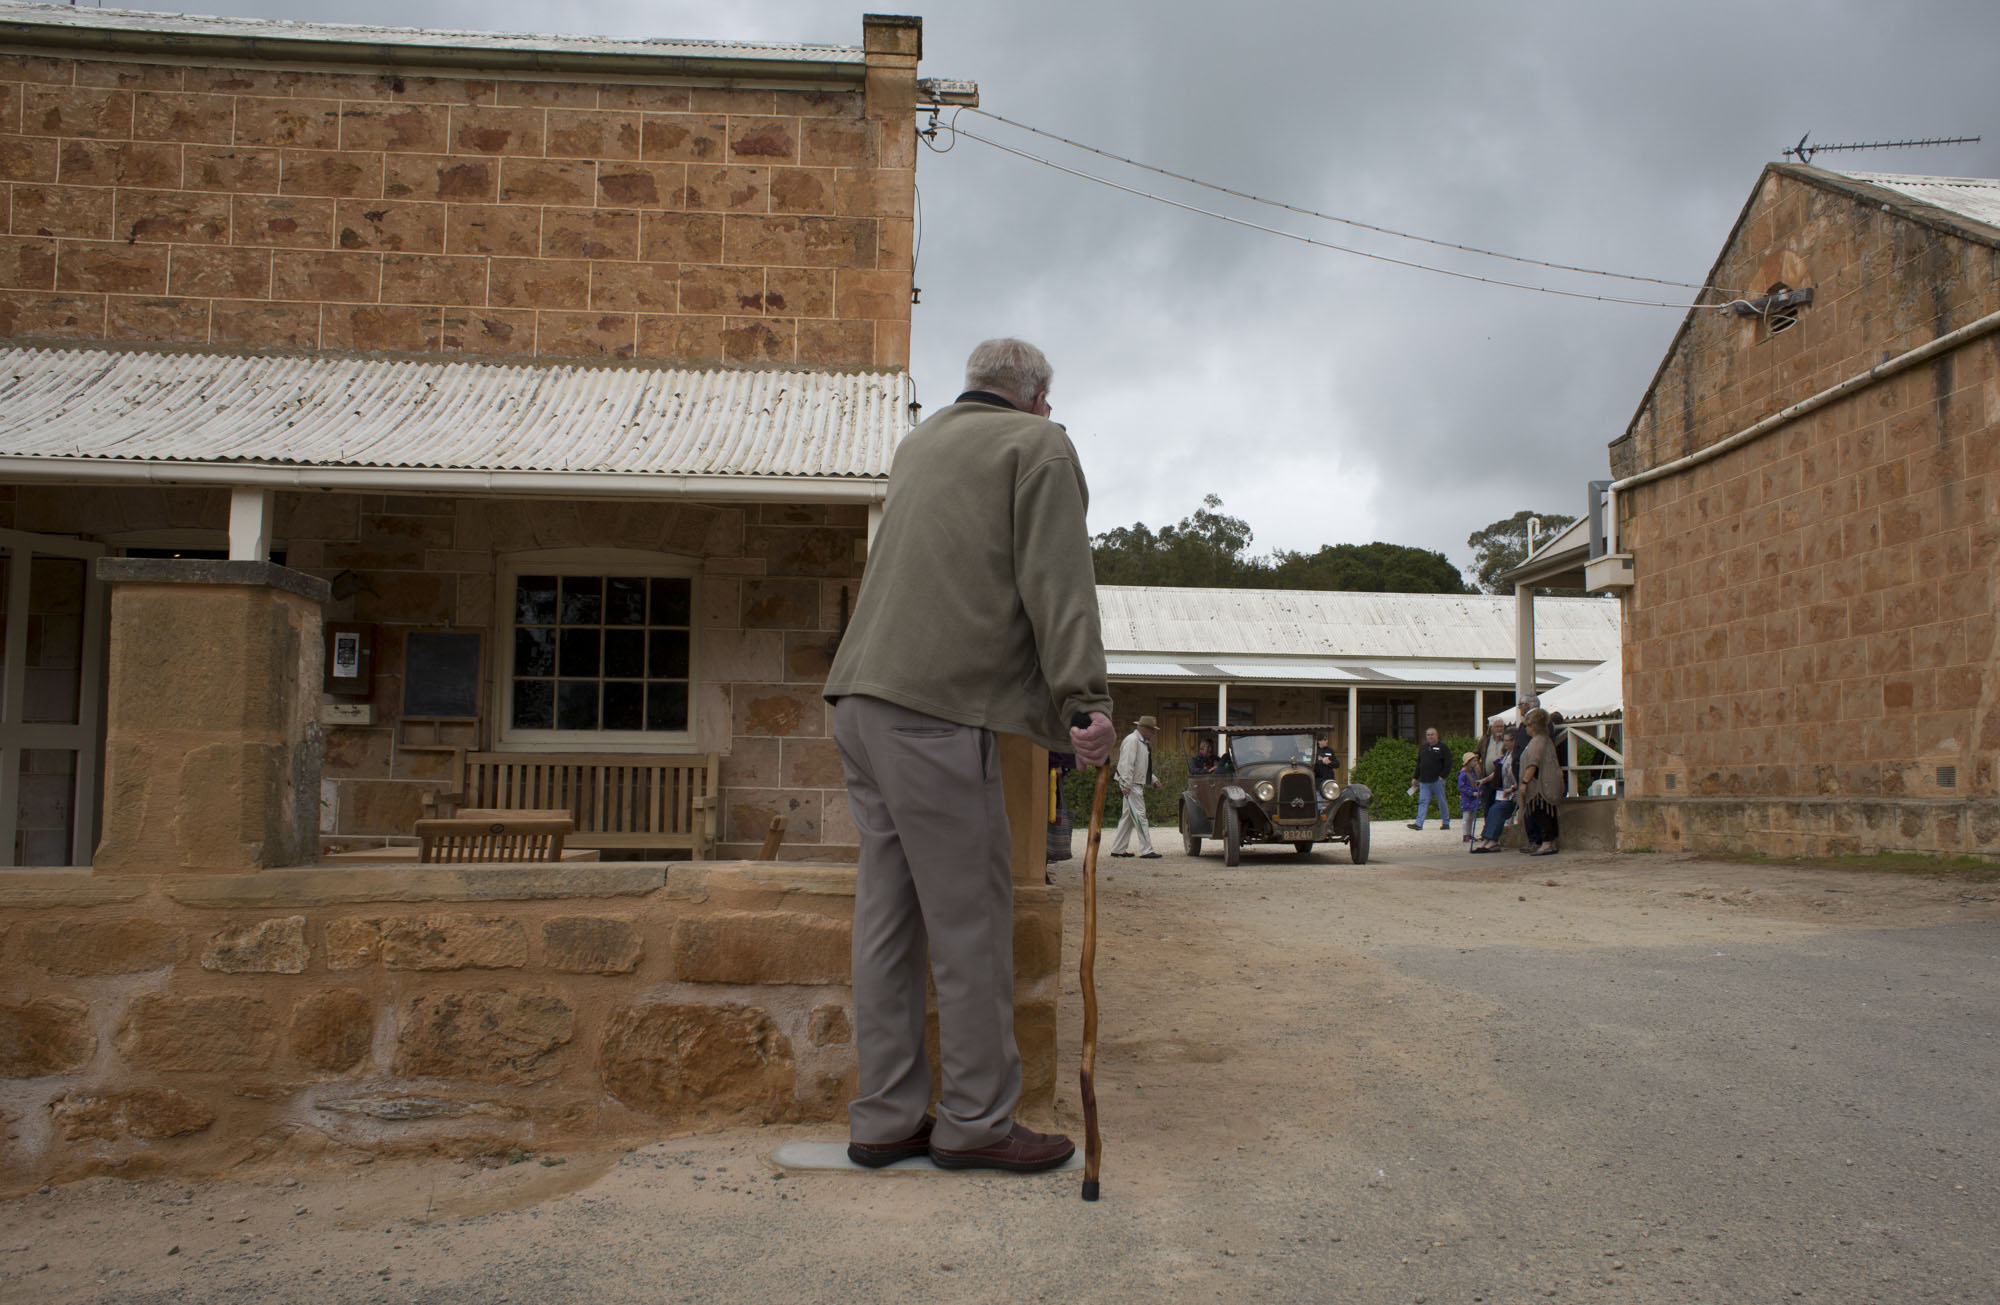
{"x":1013,"y":367}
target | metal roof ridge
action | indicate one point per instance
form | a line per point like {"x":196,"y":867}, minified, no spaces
{"x":170,"y":23}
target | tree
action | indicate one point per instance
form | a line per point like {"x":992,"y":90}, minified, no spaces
{"x":1206,"y":550}
{"x":1502,"y":546}
{"x":1368,"y":568}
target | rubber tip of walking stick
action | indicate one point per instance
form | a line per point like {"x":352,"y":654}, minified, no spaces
{"x":1090,"y":1189}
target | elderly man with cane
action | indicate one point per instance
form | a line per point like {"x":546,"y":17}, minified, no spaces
{"x":977,"y":616}
{"x":1135,"y":775}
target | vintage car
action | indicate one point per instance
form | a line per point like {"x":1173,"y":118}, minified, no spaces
{"x":1262,"y":790}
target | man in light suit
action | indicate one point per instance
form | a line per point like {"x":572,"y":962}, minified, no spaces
{"x":1135,"y":776}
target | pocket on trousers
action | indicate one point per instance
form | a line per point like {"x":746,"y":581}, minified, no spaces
{"x":924,"y":731}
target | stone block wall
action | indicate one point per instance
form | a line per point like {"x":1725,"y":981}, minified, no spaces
{"x":221,"y":769}
{"x":183,"y":1024}
{"x":257,"y":205}
{"x":1814,"y":616}
{"x":769,"y":604}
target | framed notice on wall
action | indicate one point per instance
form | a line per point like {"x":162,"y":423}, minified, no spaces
{"x":440,"y":675}
{"x":350,"y":660}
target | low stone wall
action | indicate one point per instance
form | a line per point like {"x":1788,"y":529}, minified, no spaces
{"x":1811,"y":826}
{"x":1589,"y":824}
{"x":187,"y":1024}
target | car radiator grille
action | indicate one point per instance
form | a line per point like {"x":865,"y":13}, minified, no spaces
{"x":1296,"y":800}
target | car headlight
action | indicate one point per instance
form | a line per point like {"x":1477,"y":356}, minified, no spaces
{"x":1329,"y":790}
{"x":1266,"y":791}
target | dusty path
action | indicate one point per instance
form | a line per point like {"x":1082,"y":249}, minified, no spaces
{"x":1433,"y":1078}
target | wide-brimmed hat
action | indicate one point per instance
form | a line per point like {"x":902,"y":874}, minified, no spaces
{"x":1470,"y":756}
{"x":1146,"y":722}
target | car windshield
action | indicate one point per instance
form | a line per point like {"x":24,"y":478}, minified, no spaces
{"x":1255,"y":749}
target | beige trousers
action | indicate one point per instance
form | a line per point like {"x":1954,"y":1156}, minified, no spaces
{"x":933,"y":884}
{"x":1133,"y":822}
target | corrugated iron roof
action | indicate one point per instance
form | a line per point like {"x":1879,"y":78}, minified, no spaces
{"x":1209,"y":625}
{"x":322,"y":410}
{"x":1486,"y":673}
{"x":273,"y":29}
{"x":1975,"y":197}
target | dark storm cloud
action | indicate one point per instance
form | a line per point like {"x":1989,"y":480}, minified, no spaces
{"x":1327,"y":398}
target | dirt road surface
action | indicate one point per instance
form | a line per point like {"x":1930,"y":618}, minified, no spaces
{"x":1437,"y":1077}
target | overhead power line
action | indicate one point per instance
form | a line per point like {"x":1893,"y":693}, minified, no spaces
{"x":1328,"y":217}
{"x":956,"y":131}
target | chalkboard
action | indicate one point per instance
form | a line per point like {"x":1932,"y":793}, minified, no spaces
{"x":441,"y":675}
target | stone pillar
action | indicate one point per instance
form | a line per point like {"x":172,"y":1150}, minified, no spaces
{"x":1024,"y":778}
{"x":1038,"y":927}
{"x":212,"y":739}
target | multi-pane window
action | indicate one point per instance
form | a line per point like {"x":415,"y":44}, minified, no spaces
{"x":1386,"y":718}
{"x":602,"y":654}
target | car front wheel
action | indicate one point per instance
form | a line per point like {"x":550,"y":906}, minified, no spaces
{"x":1191,"y":843}
{"x":1357,"y":838}
{"x":1232,"y":836}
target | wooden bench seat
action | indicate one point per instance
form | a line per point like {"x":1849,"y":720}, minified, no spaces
{"x":493,"y":836}
{"x":616,"y":800}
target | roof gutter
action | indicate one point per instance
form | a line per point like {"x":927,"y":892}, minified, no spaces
{"x":1881,"y":371}
{"x":626,"y":485}
{"x":218,"y":45}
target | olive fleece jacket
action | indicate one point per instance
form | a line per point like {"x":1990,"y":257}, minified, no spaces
{"x":979,"y":605}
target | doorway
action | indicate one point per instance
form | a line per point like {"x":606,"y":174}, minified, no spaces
{"x":52,"y":619}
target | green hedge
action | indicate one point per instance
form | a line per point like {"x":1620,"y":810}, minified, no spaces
{"x":1162,"y":804}
{"x":1386,"y":769}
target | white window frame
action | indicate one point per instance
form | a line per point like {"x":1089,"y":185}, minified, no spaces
{"x":509,"y":568}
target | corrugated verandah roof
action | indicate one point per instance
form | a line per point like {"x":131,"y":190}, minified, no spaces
{"x":1227,"y":625}
{"x":319,"y":410}
{"x":281,"y":30}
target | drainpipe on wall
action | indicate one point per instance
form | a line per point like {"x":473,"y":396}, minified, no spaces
{"x":1861,"y":380}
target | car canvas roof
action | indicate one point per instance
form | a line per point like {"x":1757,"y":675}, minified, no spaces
{"x":1254,"y":729}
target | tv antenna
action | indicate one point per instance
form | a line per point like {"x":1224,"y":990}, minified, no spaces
{"x":1805,"y":152}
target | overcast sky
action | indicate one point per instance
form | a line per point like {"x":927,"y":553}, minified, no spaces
{"x":1324,"y":397}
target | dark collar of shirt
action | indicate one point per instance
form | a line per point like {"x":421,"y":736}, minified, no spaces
{"x":986,"y":397}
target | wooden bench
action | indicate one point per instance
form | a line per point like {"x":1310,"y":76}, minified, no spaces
{"x":615,"y":799}
{"x":493,"y":836}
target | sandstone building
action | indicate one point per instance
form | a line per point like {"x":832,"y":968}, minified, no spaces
{"x":1805,"y":509}
{"x":381,"y":410}
{"x":459,"y":324}
{"x":1365,"y":666}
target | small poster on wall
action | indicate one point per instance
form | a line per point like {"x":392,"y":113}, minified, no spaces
{"x":347,"y":655}
{"x":350,"y":660}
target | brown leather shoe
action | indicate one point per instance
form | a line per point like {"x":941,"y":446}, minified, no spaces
{"x":1022,"y":1151}
{"x":876,"y":1154}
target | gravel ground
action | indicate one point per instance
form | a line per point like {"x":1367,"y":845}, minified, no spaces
{"x":1433,"y":1078}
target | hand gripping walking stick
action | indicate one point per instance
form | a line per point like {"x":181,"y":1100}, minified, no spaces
{"x":1093,"y":1142}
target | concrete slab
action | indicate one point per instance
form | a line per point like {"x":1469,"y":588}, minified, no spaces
{"x":831,"y":1157}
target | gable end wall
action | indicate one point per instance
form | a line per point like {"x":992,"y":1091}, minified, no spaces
{"x":1812,"y":633}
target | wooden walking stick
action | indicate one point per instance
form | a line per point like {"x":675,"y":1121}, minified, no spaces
{"x":1093,"y":1143}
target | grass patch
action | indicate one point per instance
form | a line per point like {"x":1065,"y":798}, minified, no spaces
{"x":1974,"y":868}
